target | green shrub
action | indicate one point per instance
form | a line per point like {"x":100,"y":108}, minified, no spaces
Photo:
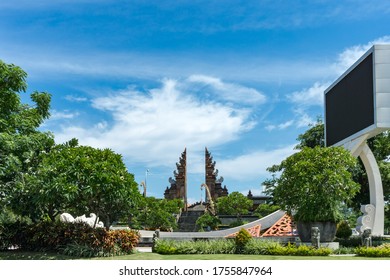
{"x":344,"y":251}
{"x":14,"y":234}
{"x":228,"y":246}
{"x":343,"y":230}
{"x":353,"y":241}
{"x":377,"y":252}
{"x":237,"y":223}
{"x":65,"y":237}
{"x":268,"y":247}
{"x":257,"y":246}
{"x":241,"y":239}
{"x":215,"y":246}
{"x":208,"y":220}
{"x":265,"y":209}
{"x":165,"y":247}
{"x":80,"y":251}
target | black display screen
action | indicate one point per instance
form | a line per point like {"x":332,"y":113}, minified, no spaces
{"x":349,"y":104}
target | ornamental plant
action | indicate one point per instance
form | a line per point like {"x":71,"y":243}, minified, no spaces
{"x":313,"y":183}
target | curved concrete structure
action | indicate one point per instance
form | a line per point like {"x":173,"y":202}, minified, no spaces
{"x":264,"y":222}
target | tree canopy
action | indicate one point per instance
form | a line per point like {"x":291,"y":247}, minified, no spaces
{"x":314,"y":182}
{"x":21,"y":143}
{"x":157,"y":213}
{"x":39,"y":179}
{"x":234,"y":204}
{"x":79,"y":180}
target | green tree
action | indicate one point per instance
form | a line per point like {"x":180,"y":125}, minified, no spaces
{"x":234,"y":204}
{"x":157,"y":213}
{"x":21,"y":143}
{"x":208,"y":220}
{"x":265,"y":209}
{"x":313,"y":137}
{"x":380,"y":146}
{"x":314,"y":183}
{"x":80,"y":180}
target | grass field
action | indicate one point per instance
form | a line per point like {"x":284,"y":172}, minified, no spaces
{"x":18,"y":255}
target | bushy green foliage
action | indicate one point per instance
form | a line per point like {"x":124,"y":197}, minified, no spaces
{"x":228,"y":246}
{"x":68,"y":238}
{"x":234,"y":204}
{"x":157,"y":214}
{"x":380,"y":251}
{"x":208,"y":220}
{"x":241,"y":239}
{"x":237,"y":223}
{"x":313,"y":183}
{"x":353,"y":241}
{"x":268,"y":247}
{"x":217,"y":246}
{"x":343,"y":230}
{"x":265,"y":209}
{"x":21,"y":143}
{"x":344,"y":250}
{"x":82,"y":179}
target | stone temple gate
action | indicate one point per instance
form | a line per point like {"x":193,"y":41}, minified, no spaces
{"x":178,"y":184}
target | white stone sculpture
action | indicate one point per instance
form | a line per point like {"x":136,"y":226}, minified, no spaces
{"x":66,"y":218}
{"x":91,"y":220}
{"x":367,"y":220}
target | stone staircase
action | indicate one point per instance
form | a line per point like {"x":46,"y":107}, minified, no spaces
{"x":187,"y":220}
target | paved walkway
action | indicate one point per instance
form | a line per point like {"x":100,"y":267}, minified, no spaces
{"x":144,"y":249}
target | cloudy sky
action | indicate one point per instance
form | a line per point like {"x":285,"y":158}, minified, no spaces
{"x":149,"y":78}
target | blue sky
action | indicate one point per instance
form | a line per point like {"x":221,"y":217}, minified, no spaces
{"x":149,"y":78}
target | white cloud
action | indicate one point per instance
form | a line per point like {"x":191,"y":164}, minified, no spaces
{"x":253,"y":165}
{"x":230,"y":91}
{"x":72,"y":98}
{"x":280,"y":126}
{"x":303,"y":119}
{"x":313,"y":96}
{"x":56,"y":115}
{"x":350,"y":55}
{"x":155,"y":127}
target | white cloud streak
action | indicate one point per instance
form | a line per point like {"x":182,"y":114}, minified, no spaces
{"x":313,"y":96}
{"x":253,"y":165}
{"x":155,"y":127}
{"x":230,"y":91}
{"x":350,"y":55}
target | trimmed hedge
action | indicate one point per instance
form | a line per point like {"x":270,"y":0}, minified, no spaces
{"x":228,"y":246}
{"x":216,"y":246}
{"x":68,"y":238}
{"x":380,"y":251}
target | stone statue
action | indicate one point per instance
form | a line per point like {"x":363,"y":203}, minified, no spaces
{"x":68,"y":218}
{"x":210,"y":206}
{"x":156,"y":236}
{"x":367,"y":220}
{"x":366,"y":238}
{"x":315,"y":237}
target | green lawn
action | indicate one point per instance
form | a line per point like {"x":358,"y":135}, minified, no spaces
{"x":18,"y":255}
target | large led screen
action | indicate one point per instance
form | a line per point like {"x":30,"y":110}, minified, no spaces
{"x":349,"y":103}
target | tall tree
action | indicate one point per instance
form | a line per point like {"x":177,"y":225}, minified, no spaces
{"x":380,"y":146}
{"x":81,"y":180}
{"x":21,"y":143}
{"x":234,"y":204}
{"x":157,"y":213}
